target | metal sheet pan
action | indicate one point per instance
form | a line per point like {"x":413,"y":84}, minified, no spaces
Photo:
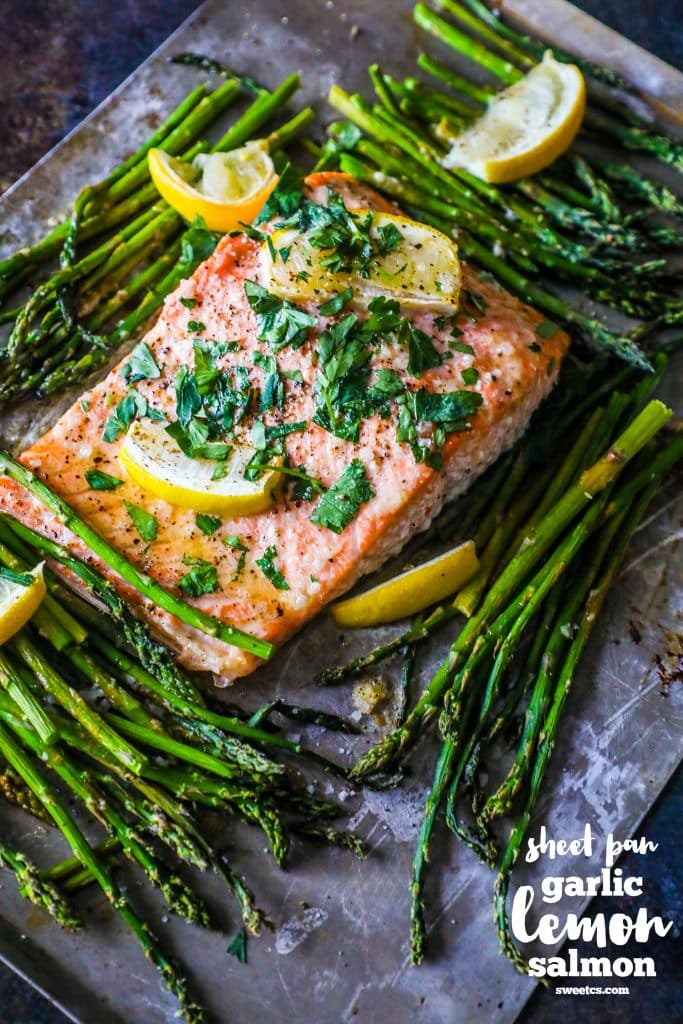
{"x":338,"y":952}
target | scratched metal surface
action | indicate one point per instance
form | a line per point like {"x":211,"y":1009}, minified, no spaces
{"x":338,"y":951}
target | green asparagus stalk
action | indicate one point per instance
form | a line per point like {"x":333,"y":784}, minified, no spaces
{"x":147,"y":587}
{"x":26,"y":701}
{"x":39,"y":890}
{"x":610,"y":552}
{"x":26,"y":768}
{"x":594,"y":480}
{"x":38,"y":253}
{"x":73,"y":702}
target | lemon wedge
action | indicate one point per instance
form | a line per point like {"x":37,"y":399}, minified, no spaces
{"x":19,"y":601}
{"x":155,"y":463}
{"x":411,"y":591}
{"x":526,"y":126}
{"x":421,"y":268}
{"x":223,"y":188}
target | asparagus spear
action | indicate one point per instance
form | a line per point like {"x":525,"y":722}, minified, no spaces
{"x":41,"y":251}
{"x":594,"y":480}
{"x":39,"y":890}
{"x":147,"y":587}
{"x":607,"y":559}
{"x":27,"y":769}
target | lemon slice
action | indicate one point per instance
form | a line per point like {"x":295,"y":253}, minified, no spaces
{"x":421,"y":270}
{"x":155,"y":463}
{"x":526,"y":126}
{"x":19,"y":601}
{"x":411,"y":591}
{"x":223,"y":188}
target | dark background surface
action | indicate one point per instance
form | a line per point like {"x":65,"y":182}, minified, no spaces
{"x":60,"y":59}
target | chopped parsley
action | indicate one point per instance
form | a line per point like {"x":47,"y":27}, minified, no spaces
{"x":267,"y":567}
{"x":470,"y":375}
{"x":100,"y":481}
{"x":286,"y":197}
{"x":343,"y":366}
{"x":448,"y":413}
{"x":388,"y":238}
{"x":273,"y":390}
{"x":207,"y":524}
{"x":461,"y":346}
{"x":474,"y":299}
{"x":279,"y":322}
{"x":341,"y":504}
{"x":283,"y":429}
{"x":85,"y":404}
{"x":258,"y":435}
{"x":196,"y":326}
{"x":452,"y":407}
{"x":238,"y":946}
{"x":129,"y":408}
{"x":336,"y":304}
{"x":201,"y":579}
{"x":144,"y":522}
{"x":295,"y":375}
{"x":422,"y":355}
{"x":189,"y":303}
{"x":141,"y":365}
{"x":546,"y":329}
{"x":210,"y":402}
{"x":234,"y":542}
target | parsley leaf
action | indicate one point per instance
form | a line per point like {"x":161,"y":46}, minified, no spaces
{"x":388,"y":238}
{"x":343,"y":367}
{"x":196,"y":326}
{"x":187,"y":398}
{"x":265,"y":564}
{"x":461,"y":346}
{"x":189,"y":303}
{"x":336,"y":304}
{"x":238,"y":946}
{"x":100,"y":481}
{"x":196,"y":245}
{"x":422,"y":355}
{"x":283,"y":429}
{"x":273,"y":390}
{"x":201,"y":579}
{"x":234,"y":542}
{"x":141,"y":365}
{"x":474,"y":299}
{"x":285,"y":198}
{"x":279,"y":322}
{"x":448,"y":408}
{"x":193,"y":441}
{"x":144,"y":522}
{"x":470,"y":375}
{"x":341,"y":504}
{"x":207,"y":524}
{"x":128,"y":409}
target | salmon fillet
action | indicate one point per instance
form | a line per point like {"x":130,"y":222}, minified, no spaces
{"x":516,"y":371}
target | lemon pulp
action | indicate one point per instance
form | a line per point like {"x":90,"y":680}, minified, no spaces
{"x":526,"y":126}
{"x":421,"y":271}
{"x":409,"y":592}
{"x":156,"y":464}
{"x":226,"y":189}
{"x":19,"y":602}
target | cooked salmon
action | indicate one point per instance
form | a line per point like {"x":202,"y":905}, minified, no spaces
{"x":515,"y":370}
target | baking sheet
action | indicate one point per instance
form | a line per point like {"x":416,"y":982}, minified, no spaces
{"x":339,"y":951}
